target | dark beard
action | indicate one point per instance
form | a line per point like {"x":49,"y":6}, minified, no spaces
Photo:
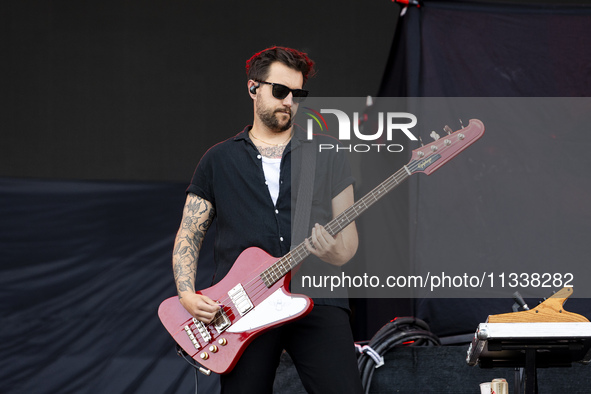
{"x":271,"y":121}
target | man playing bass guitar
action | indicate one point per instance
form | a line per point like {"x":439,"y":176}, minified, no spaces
{"x":248,"y":184}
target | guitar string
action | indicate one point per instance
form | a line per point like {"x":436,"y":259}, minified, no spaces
{"x":389,"y":184}
{"x":281,"y":268}
{"x":278,"y":269}
{"x":279,"y":273}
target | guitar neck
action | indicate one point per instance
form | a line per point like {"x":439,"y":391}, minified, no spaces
{"x":426,"y":159}
{"x":337,"y":225}
{"x":288,"y":262}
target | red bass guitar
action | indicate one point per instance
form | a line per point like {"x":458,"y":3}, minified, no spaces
{"x":255,"y":295}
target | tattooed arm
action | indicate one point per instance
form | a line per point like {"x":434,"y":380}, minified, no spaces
{"x":197,"y":217}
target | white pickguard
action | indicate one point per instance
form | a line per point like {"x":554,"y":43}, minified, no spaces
{"x":277,"y":306}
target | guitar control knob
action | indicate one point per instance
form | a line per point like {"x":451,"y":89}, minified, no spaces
{"x":222,"y":341}
{"x":213,"y":348}
{"x":204,"y":356}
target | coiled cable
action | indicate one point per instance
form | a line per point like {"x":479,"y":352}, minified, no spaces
{"x":402,"y":331}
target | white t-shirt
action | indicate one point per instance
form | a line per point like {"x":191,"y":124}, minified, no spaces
{"x":272,"y":169}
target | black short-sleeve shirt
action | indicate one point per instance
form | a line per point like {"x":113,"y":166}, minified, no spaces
{"x":230,"y":176}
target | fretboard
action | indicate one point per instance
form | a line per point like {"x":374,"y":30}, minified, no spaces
{"x":288,"y":262}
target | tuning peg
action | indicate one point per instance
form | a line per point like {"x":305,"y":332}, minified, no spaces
{"x":462,"y":124}
{"x":447,"y":129}
{"x":434,"y":135}
{"x":421,"y":141}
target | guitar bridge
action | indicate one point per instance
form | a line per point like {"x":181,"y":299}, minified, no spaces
{"x":221,"y":321}
{"x":240,"y":299}
{"x":192,"y":337}
{"x":202,"y":330}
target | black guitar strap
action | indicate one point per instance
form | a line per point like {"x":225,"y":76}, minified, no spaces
{"x":301,"y":225}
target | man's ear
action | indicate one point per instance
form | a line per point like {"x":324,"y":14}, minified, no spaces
{"x":253,"y":86}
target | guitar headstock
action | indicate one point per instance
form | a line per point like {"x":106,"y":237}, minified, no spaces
{"x":427,"y":159}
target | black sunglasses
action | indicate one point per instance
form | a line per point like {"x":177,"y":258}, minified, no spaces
{"x":281,"y":91}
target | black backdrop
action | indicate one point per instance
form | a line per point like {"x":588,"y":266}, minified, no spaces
{"x":132,"y":91}
{"x":138,"y":90}
{"x":530,"y":207}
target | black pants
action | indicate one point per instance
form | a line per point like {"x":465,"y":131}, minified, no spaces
{"x":320,"y":345}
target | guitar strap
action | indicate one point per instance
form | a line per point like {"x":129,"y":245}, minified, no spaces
{"x":301,"y":221}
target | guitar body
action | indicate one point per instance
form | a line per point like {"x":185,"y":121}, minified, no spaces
{"x":247,"y":312}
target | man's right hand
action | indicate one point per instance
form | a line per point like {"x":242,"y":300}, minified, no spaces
{"x":199,"y":306}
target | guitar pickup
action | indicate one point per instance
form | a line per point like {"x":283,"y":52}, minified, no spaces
{"x":221,"y":321}
{"x":240,"y":299}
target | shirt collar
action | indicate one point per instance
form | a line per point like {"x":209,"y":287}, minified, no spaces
{"x":243,"y":135}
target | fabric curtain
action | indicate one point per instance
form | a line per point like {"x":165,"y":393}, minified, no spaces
{"x":463,"y":49}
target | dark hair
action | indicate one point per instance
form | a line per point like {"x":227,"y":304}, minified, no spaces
{"x":257,"y":67}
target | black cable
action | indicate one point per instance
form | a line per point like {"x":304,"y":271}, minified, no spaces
{"x":180,"y":352}
{"x":404,"y":331}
